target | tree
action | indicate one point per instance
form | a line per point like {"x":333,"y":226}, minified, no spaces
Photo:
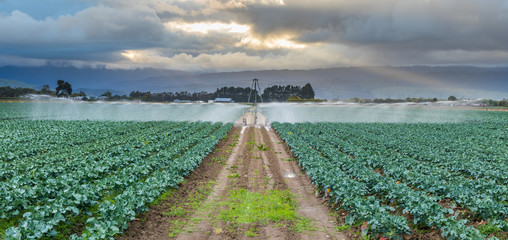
{"x":147,"y":96}
{"x":63,"y":88}
{"x":307,"y":92}
{"x":452,"y":98}
{"x":45,"y":89}
{"x":278,"y":93}
{"x":107,"y":94}
{"x":8,"y":92}
{"x":80,"y":94}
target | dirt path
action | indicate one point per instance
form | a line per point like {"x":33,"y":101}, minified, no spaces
{"x":251,"y":166}
{"x":299,"y":184}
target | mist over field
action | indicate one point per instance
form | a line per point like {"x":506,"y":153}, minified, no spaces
{"x":367,"y":113}
{"x":126,"y":111}
{"x":59,"y":109}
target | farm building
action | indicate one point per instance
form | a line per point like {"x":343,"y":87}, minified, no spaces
{"x":224,"y":100}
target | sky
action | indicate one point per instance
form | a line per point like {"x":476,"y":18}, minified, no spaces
{"x":236,"y":35}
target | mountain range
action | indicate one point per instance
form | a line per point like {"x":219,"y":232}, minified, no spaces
{"x":331,"y":83}
{"x":15,"y":84}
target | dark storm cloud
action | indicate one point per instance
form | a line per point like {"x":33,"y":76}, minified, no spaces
{"x":424,"y":25}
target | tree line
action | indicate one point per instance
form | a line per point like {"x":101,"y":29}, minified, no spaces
{"x":63,"y":89}
{"x":274,"y":93}
{"x":8,"y":92}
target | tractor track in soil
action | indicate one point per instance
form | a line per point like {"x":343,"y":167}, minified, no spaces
{"x":250,"y":158}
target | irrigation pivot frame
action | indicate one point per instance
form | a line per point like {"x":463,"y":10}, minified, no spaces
{"x":256,"y":88}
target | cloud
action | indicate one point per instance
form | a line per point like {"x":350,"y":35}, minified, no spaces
{"x":94,"y":29}
{"x":233,"y":61}
{"x":427,"y":25}
{"x":249,"y":34}
{"x":8,"y":60}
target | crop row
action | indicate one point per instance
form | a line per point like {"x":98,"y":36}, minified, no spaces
{"x":374,"y":144}
{"x":114,"y":215}
{"x":23,"y":138}
{"x":395,"y":187}
{"x":474,"y":150}
{"x":50,"y":180}
{"x":134,"y":169}
{"x":34,"y":154}
{"x":484,"y":198}
{"x":350,"y":193}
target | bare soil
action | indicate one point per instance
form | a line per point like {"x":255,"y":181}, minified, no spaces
{"x":250,"y":158}
{"x":155,"y":224}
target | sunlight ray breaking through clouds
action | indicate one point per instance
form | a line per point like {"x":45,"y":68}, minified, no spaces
{"x":206,"y":27}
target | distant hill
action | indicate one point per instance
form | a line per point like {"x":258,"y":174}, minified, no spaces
{"x":344,"y":82}
{"x":14,"y":84}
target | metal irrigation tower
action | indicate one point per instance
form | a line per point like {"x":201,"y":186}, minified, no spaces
{"x":255,"y":87}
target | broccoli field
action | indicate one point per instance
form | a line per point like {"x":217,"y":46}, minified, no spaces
{"x":395,"y":177}
{"x":55,"y":174}
{"x":88,"y":176}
